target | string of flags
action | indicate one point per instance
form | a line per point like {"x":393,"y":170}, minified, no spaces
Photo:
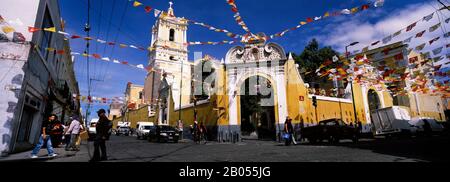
{"x":98,"y":100}
{"x":209,"y":27}
{"x":237,"y":15}
{"x":74,"y":36}
{"x":378,"y":3}
{"x":409,"y":29}
{"x":212,"y":43}
{"x":228,"y":33}
{"x":7,"y":29}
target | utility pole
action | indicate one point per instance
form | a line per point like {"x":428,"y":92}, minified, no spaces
{"x":87,"y":29}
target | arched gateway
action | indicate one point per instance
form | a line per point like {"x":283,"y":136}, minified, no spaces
{"x":256,"y":76}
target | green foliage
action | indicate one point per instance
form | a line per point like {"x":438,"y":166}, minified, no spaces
{"x":311,"y":58}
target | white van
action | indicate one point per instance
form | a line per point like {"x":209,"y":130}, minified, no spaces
{"x":92,"y":131}
{"x":143,"y":128}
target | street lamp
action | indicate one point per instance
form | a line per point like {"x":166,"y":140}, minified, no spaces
{"x":351,"y":80}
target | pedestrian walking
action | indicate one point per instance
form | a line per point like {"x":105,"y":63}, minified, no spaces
{"x":102,"y":128}
{"x":180,"y":128}
{"x":56,"y":133}
{"x":66,"y":136}
{"x":195,"y":132}
{"x":203,"y":132}
{"x":74,"y":131}
{"x":45,"y":137}
{"x":288,"y":131}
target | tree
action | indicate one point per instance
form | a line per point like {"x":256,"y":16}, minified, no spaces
{"x":310,"y":60}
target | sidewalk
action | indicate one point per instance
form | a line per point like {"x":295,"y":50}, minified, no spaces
{"x":63,"y":155}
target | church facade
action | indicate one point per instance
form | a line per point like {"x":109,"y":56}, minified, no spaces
{"x":252,"y":91}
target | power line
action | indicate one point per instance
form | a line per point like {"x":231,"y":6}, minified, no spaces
{"x":117,"y":36}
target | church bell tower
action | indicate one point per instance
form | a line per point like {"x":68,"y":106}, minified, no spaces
{"x":168,"y":58}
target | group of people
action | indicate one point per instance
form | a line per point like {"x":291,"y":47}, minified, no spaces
{"x":199,"y":132}
{"x":54,"y":133}
{"x":53,"y":130}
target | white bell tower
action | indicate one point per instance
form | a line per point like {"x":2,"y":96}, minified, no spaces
{"x":168,"y":52}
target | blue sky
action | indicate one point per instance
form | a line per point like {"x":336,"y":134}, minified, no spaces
{"x":261,"y":16}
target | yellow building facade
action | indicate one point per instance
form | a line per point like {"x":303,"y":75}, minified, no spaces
{"x":257,"y":87}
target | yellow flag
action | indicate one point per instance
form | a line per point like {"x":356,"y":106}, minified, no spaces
{"x":354,"y":10}
{"x":122,"y":45}
{"x":50,"y":49}
{"x":51,"y":29}
{"x":136,"y":4}
{"x":8,"y":29}
{"x":303,"y":23}
{"x":85,"y":55}
{"x":327,"y":14}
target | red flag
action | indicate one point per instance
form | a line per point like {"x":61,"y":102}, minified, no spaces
{"x":434,"y":40}
{"x":410,"y":27}
{"x":125,"y":62}
{"x":96,"y":56}
{"x":399,"y":56}
{"x":386,"y":51}
{"x":234,"y":9}
{"x":364,"y":7}
{"x":230,"y":1}
{"x":32,"y":29}
{"x":60,"y":52}
{"x":148,"y":9}
{"x":420,"y":34}
{"x":75,"y":37}
{"x":309,"y":20}
{"x":413,"y":59}
{"x":111,"y":43}
{"x":358,"y":57}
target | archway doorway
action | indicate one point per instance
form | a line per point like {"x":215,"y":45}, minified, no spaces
{"x":257,"y":108}
{"x":374,"y":100}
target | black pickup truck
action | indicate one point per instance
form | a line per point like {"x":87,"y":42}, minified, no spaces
{"x":332,"y":130}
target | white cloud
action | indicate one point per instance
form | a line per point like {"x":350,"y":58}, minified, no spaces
{"x":344,"y":31}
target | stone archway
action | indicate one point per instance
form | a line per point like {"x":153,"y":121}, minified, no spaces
{"x":242,"y":63}
{"x":374,"y":100}
{"x":257,"y":108}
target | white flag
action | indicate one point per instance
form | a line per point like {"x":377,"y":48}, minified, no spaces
{"x":105,"y":59}
{"x":116,"y":61}
{"x":346,"y":11}
{"x":157,"y":12}
{"x":141,"y":66}
{"x":379,"y":3}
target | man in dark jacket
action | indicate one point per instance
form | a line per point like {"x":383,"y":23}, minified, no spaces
{"x":102,"y":128}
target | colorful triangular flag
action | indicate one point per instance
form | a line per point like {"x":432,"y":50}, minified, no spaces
{"x":51,"y":29}
{"x":137,"y":3}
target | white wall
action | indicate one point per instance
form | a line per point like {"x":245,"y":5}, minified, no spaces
{"x":11,"y":79}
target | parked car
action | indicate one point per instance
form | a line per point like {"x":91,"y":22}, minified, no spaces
{"x":332,"y":130}
{"x":123,"y":130}
{"x":163,"y":134}
{"x":143,"y":128}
